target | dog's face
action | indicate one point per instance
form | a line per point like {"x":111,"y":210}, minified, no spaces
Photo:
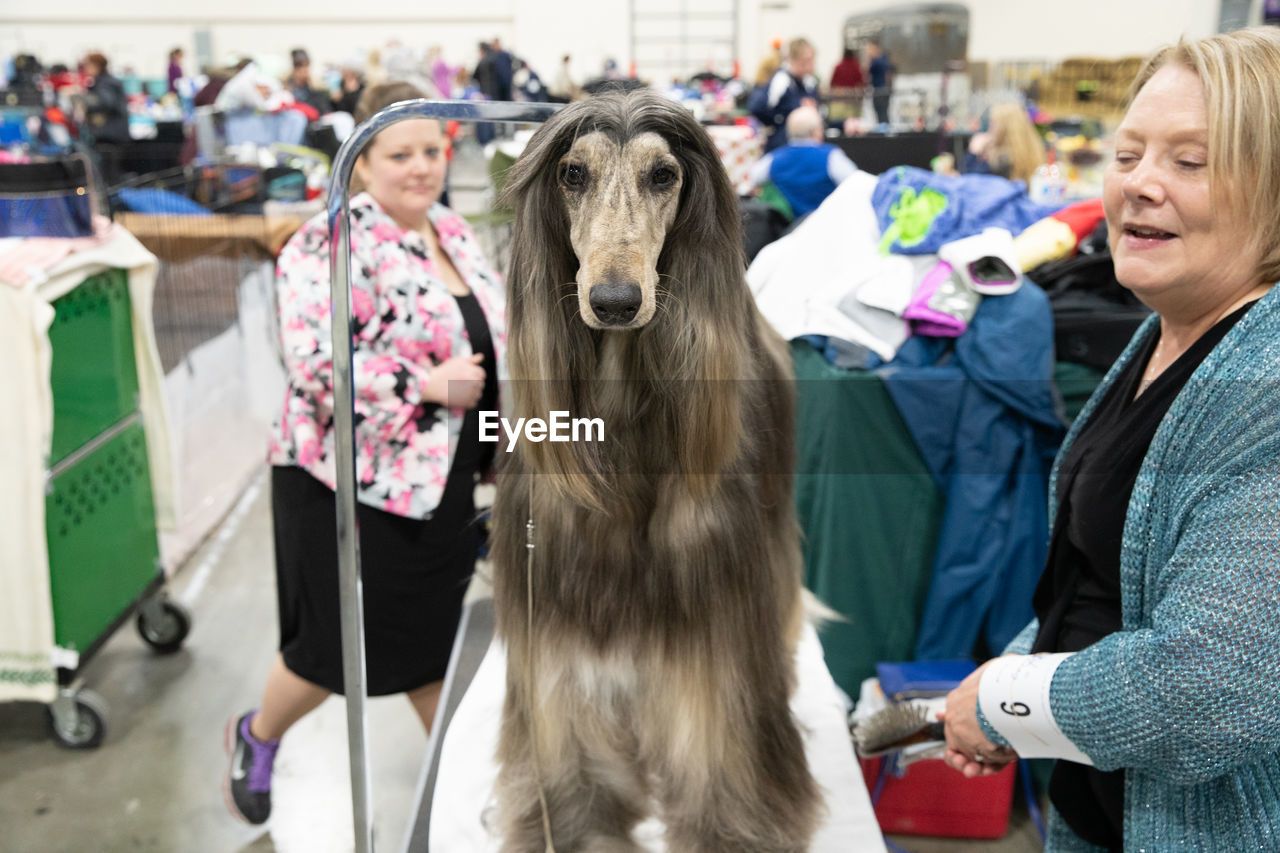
{"x":621,"y":199}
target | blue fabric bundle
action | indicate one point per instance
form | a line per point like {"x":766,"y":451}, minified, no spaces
{"x":157,"y":201}
{"x":973,"y":202}
{"x":984,"y":418}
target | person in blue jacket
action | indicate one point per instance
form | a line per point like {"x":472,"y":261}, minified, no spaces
{"x":792,"y":86}
{"x":1151,"y":671}
{"x":806,"y":170}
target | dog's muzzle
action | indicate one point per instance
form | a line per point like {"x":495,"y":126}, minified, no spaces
{"x":615,"y":304}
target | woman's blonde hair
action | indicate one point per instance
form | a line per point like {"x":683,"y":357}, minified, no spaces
{"x":374,"y":99}
{"x":1014,"y":141}
{"x":1240,"y":73}
{"x":769,"y":66}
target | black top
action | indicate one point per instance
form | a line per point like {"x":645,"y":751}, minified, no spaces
{"x":348,"y":100}
{"x":1078,"y":598}
{"x":472,"y":455}
{"x":107,"y":111}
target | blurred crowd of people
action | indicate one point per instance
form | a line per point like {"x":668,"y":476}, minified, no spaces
{"x":105,"y":109}
{"x":296,"y":102}
{"x":270,"y":83}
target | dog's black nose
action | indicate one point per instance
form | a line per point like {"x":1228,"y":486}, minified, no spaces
{"x":615,"y":304}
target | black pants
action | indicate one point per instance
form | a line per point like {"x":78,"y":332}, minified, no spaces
{"x":881,"y":105}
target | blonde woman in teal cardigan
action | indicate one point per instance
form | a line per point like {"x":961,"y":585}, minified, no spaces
{"x":1152,"y":670}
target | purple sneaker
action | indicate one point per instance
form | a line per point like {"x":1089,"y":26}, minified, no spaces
{"x":247,"y":788}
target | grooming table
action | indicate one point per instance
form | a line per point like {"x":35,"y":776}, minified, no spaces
{"x":456,"y":786}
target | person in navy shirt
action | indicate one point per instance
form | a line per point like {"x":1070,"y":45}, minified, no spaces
{"x":881,"y":71}
{"x":792,"y":86}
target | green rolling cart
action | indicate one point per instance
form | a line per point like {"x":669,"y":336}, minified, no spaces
{"x":104,"y":558}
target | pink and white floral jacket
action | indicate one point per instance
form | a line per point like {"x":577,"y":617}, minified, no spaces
{"x":404,"y":321}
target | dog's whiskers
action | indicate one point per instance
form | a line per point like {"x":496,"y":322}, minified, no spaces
{"x":667,"y":293}
{"x":577,"y":308}
{"x":660,"y":303}
{"x":568,"y":294}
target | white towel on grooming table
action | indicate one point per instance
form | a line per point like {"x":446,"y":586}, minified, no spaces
{"x":464,"y":786}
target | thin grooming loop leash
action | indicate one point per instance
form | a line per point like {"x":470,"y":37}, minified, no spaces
{"x":533,"y":731}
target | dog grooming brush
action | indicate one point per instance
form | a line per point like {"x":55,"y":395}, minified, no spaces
{"x":898,"y":727}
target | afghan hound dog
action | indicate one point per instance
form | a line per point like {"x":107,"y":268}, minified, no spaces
{"x":647,"y":586}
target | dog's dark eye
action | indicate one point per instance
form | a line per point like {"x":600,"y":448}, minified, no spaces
{"x":573,"y":176}
{"x":663,"y":176}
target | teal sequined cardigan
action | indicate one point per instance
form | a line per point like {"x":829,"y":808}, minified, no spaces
{"x":1186,"y":697}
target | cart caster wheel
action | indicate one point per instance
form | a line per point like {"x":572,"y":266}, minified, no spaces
{"x":164,"y":626}
{"x":83,"y":722}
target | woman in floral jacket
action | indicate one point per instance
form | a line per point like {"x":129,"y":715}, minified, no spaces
{"x":429,"y":342}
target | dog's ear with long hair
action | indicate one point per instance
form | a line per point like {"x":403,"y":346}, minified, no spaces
{"x":710,"y":312}
{"x":543,"y":264}
{"x":548,"y":344}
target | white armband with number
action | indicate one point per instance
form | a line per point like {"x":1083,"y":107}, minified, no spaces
{"x":1014,"y":696}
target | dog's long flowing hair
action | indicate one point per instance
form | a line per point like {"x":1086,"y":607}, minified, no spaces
{"x":651,"y":633}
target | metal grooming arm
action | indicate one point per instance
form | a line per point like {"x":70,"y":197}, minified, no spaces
{"x":351,"y":598}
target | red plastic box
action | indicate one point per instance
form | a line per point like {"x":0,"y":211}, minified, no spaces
{"x":934,"y":799}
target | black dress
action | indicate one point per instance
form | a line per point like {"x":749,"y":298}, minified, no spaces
{"x":414,"y":572}
{"x":1078,"y":598}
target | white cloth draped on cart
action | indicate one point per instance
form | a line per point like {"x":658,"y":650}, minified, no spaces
{"x":26,"y":424}
{"x":464,"y":786}
{"x":27,"y":654}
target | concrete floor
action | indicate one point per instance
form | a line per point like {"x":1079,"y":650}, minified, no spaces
{"x":155,"y":783}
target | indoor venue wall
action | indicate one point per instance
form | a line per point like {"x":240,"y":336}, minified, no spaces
{"x":140,"y":32}
{"x":999,"y":30}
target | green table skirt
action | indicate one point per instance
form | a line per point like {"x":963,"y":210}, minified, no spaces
{"x":870,"y":513}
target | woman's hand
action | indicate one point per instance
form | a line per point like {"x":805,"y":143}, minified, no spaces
{"x":456,"y":382}
{"x":968,"y":749}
